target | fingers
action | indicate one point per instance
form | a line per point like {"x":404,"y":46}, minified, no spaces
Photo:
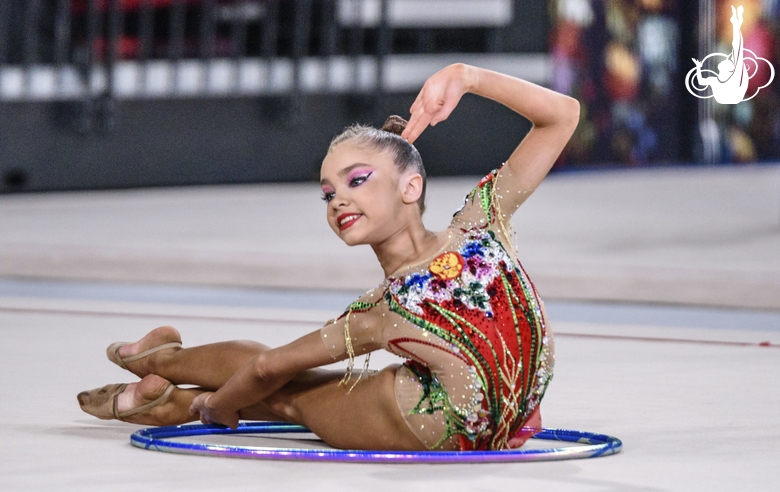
{"x":435,"y":102}
{"x":424,"y":109}
{"x":212,"y":416}
{"x":417,"y":102}
{"x":414,"y":111}
{"x":198,"y":406}
{"x":194,"y":406}
{"x":417,"y":124}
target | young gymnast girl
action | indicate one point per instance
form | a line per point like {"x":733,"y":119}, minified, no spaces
{"x":456,"y":304}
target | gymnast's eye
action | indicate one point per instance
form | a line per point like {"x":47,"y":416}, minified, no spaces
{"x":359,"y":180}
{"x":328,"y":196}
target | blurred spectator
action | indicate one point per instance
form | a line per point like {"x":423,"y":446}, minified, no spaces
{"x":620,"y":58}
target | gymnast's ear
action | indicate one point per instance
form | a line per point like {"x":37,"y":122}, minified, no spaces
{"x":411,"y":187}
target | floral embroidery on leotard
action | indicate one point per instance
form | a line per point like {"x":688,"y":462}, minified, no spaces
{"x":496,"y":326}
{"x":491,"y":317}
{"x":481,"y":256}
{"x":447,"y":266}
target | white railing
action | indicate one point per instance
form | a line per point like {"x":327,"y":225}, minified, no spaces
{"x":119,"y":49}
{"x":251,"y":76}
{"x":426,"y":13}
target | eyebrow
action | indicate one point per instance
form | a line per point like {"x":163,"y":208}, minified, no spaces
{"x":346,"y":171}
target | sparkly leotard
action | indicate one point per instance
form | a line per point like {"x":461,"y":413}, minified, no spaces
{"x":471,"y":326}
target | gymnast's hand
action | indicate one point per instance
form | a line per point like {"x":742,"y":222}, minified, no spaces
{"x":210,"y":415}
{"x":438,"y":97}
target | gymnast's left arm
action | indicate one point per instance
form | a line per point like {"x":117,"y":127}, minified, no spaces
{"x":554,"y":117}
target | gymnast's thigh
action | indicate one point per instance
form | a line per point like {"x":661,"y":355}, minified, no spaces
{"x":365,"y":418}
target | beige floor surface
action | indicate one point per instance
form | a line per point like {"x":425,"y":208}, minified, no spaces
{"x":692,"y":416}
{"x":674,"y":235}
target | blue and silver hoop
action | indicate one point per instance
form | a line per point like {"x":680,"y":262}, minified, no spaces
{"x":157,"y":439}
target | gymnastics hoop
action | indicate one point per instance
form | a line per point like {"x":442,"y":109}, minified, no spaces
{"x":154,"y":438}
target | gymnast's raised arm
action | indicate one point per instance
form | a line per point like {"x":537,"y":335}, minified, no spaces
{"x":554,"y":117}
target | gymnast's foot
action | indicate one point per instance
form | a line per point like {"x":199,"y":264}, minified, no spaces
{"x":141,"y":357}
{"x":151,"y":401}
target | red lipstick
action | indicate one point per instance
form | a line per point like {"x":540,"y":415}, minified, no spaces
{"x":346,"y":220}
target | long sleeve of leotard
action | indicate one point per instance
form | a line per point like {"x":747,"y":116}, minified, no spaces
{"x":363,"y":321}
{"x":491,"y":203}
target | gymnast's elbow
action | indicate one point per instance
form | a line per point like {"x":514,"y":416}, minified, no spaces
{"x":265,"y":367}
{"x":563,"y":113}
{"x":570,"y":111}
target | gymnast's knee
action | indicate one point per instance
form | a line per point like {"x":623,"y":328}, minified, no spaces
{"x":285,"y":408}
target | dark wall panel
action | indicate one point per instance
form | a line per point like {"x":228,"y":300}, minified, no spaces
{"x":230,"y":140}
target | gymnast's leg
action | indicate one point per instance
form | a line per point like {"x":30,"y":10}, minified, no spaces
{"x":207,"y":366}
{"x":365,"y":418}
{"x":368,"y":417}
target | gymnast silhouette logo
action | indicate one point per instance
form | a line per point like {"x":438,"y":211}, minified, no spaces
{"x":730,"y":84}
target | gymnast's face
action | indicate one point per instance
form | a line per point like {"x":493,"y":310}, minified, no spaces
{"x":365,"y":194}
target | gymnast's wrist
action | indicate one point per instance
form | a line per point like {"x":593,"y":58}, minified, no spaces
{"x":470,"y":75}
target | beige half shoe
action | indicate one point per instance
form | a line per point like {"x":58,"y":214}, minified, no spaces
{"x":112,"y":352}
{"x":102,"y":402}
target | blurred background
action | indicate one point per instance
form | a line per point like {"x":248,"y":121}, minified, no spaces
{"x":98,"y":94}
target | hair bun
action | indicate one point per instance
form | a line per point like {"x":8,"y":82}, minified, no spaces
{"x":394,"y":124}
